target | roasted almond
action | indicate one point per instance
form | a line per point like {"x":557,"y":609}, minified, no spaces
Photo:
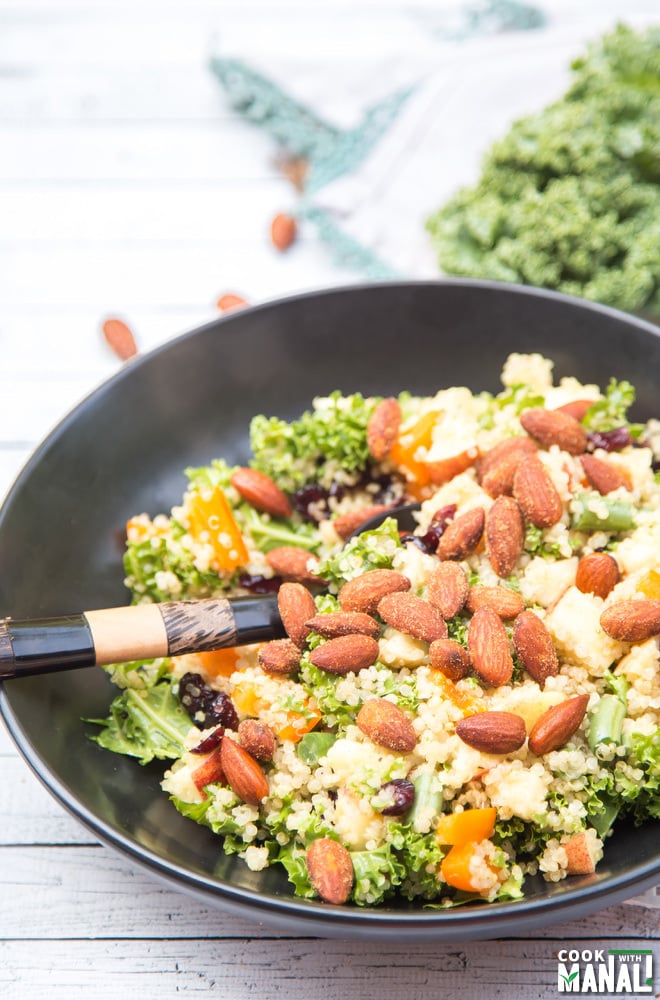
{"x":352,"y":520}
{"x":505,"y":535}
{"x":488,"y":647}
{"x":387,"y":725}
{"x":534,"y":646}
{"x":364,"y":593}
{"x":498,"y":465}
{"x":383,"y":427}
{"x":506,"y":603}
{"x":330,"y":870}
{"x":462,"y":535}
{"x":632,"y":621}
{"x":577,"y":408}
{"x":257,"y":738}
{"x":556,"y":726}
{"x":293,"y":563}
{"x":283,"y":231}
{"x":493,"y":732}
{"x":550,"y":427}
{"x":412,"y":615}
{"x":344,"y":654}
{"x":296,"y":605}
{"x":597,"y":573}
{"x":119,"y":337}
{"x":336,"y":623}
{"x":602,"y":476}
{"x":450,"y":658}
{"x":243,"y":773}
{"x":536,"y":493}
{"x":261,"y":492}
{"x":447,"y":588}
{"x":281,"y":656}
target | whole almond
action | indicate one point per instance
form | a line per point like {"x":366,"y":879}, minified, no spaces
{"x":505,"y":535}
{"x":337,"y":623}
{"x":493,"y":732}
{"x":257,"y":738}
{"x":488,"y":647}
{"x":352,"y":520}
{"x":535,"y":648}
{"x":364,"y":593}
{"x":447,"y":588}
{"x":577,"y":408}
{"x":536,"y":493}
{"x":330,"y":870}
{"x":383,"y":427}
{"x":450,"y":658}
{"x":243,"y":773}
{"x":296,"y":605}
{"x":462,"y":535}
{"x":344,"y":654}
{"x":413,"y":616}
{"x":498,"y":465}
{"x":632,"y":621}
{"x":556,"y":726}
{"x":280,"y":656}
{"x":293,"y":563}
{"x":597,"y":573}
{"x":261,"y":492}
{"x":506,"y":603}
{"x":119,"y":338}
{"x":550,"y":427}
{"x":283,"y":231}
{"x":602,"y":476}
{"x":387,"y":725}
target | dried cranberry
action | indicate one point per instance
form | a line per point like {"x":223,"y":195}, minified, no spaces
{"x":402,"y":793}
{"x":205,"y":706}
{"x":260,"y":584}
{"x":309,"y":497}
{"x":212,"y":741}
{"x":409,"y":539}
{"x":222,"y":712}
{"x":438,"y":526}
{"x":613,"y":440}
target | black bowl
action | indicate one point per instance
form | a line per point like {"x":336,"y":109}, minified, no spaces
{"x":123,"y":450}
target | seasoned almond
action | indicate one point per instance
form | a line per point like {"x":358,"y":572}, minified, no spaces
{"x":337,"y":623}
{"x":244,"y":775}
{"x":602,"y":476}
{"x":257,"y":738}
{"x":293,"y":563}
{"x":364,"y":593}
{"x":447,"y":588}
{"x":330,"y":870}
{"x":536,"y":493}
{"x":387,"y":725}
{"x":550,"y":427}
{"x":506,"y":603}
{"x":579,"y":854}
{"x":498,"y":465}
{"x":462,"y":535}
{"x":450,"y":658}
{"x":597,"y":573}
{"x":261,"y":492}
{"x":413,"y":616}
{"x":344,"y":654}
{"x":505,"y":535}
{"x":632,"y":621}
{"x":488,"y":647}
{"x":352,"y":520}
{"x":493,"y":732}
{"x":283,"y":231}
{"x":535,"y":648}
{"x":281,"y":656}
{"x":556,"y":726}
{"x":577,"y":408}
{"x":383,"y":427}
{"x":296,"y":605}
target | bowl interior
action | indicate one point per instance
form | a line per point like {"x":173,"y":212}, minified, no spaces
{"x":124,"y":450}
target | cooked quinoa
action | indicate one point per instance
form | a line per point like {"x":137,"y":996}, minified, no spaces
{"x":398,"y":814}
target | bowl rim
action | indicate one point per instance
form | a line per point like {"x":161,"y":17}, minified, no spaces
{"x":482,"y":920}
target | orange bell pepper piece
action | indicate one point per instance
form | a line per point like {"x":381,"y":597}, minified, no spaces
{"x":211,"y":520}
{"x":468,"y":703}
{"x":470,"y":825}
{"x":219,"y":662}
{"x":649,"y":585}
{"x":455,"y":866}
{"x":404,"y":449}
{"x":299,"y":724}
{"x":246,"y":699}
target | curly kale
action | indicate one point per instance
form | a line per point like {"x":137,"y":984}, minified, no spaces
{"x":569,"y":199}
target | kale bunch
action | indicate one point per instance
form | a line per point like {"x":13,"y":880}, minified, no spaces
{"x":569,"y":199}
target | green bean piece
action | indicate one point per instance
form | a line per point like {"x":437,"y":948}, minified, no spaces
{"x":606,"y":722}
{"x":426,"y":798}
{"x":619,"y":514}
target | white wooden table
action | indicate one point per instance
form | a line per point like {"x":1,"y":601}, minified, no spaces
{"x":127,"y":187}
